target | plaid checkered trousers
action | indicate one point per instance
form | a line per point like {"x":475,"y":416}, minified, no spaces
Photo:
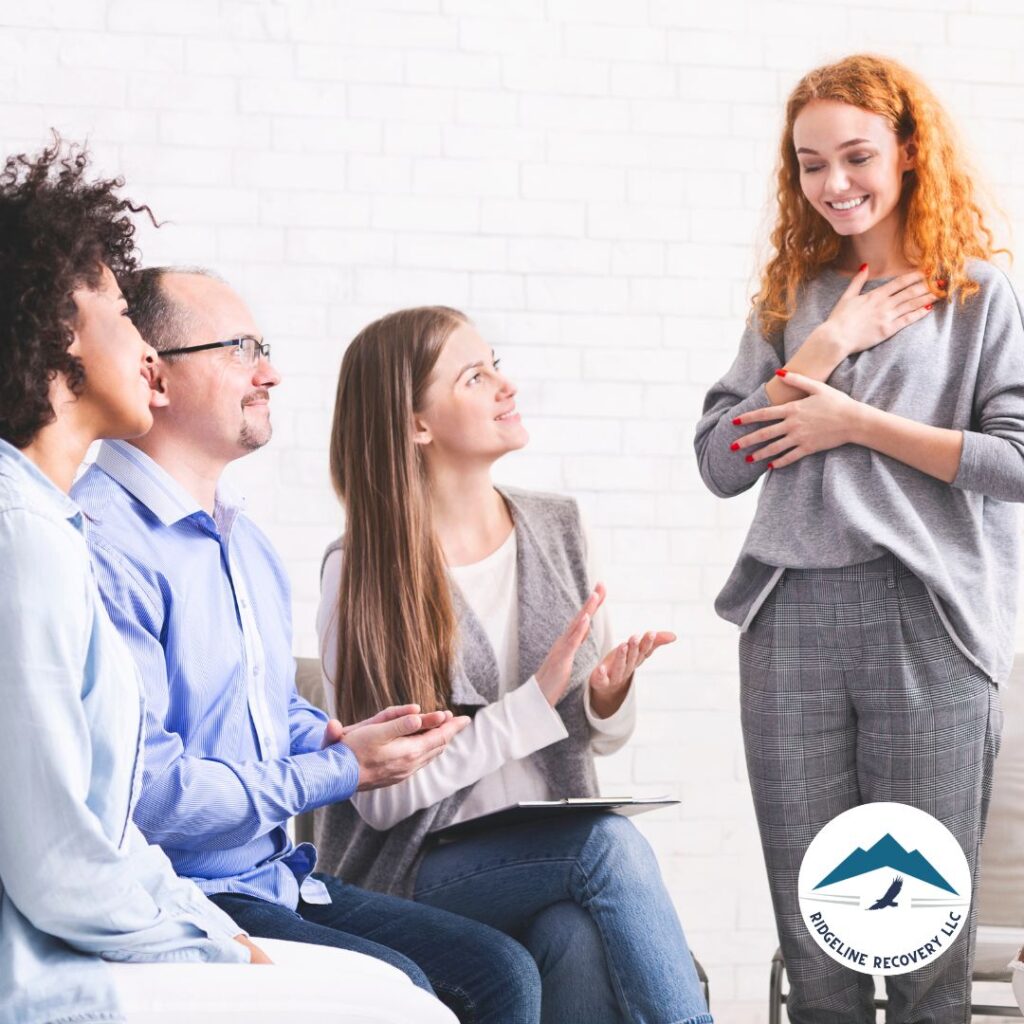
{"x":853,"y":691}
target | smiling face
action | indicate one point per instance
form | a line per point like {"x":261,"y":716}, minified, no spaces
{"x":851,"y":166}
{"x":114,"y":401}
{"x":215,"y":400}
{"x":469,"y":412}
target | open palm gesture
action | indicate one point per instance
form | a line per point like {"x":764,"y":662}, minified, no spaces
{"x":610,"y":680}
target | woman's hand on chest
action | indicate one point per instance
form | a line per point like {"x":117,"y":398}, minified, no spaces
{"x":859,"y":321}
{"x":828,"y":418}
{"x":823,"y":418}
{"x":863,"y":319}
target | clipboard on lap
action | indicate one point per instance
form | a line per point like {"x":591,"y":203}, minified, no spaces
{"x":546,"y":810}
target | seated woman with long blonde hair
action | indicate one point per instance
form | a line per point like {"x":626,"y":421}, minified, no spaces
{"x":448,"y":591}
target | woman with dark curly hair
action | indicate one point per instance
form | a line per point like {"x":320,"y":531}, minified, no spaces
{"x":76,"y":876}
{"x":879,"y":395}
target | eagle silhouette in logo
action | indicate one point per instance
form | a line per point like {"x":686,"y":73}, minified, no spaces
{"x":889,"y":899}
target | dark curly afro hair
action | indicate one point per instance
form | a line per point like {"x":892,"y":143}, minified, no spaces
{"x":57,"y":231}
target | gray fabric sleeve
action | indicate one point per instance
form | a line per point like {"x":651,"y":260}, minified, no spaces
{"x":992,"y":461}
{"x":725,"y":472}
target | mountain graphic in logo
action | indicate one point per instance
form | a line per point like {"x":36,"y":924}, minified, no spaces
{"x":886,"y":853}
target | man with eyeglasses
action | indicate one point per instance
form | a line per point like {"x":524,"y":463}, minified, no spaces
{"x":231,"y":750}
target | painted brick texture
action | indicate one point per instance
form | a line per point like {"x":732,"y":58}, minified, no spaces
{"x":588,"y":179}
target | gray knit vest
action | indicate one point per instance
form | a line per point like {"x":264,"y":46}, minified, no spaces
{"x":552,"y":585}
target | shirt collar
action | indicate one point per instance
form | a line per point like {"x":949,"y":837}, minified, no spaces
{"x":45,"y":492}
{"x":152,"y":485}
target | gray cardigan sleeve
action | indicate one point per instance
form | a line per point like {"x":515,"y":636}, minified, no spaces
{"x":725,"y":472}
{"x":992,"y":460}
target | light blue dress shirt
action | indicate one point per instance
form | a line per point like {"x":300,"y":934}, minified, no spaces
{"x":232,"y":751}
{"x":76,"y":876}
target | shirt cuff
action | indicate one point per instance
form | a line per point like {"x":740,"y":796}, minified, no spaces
{"x":307,"y":739}
{"x":223,"y":947}
{"x":972,"y":461}
{"x":723,"y":470}
{"x":990,"y":465}
{"x":328,"y":775}
{"x":218,"y":947}
{"x":538,"y":724}
{"x":621,"y":723}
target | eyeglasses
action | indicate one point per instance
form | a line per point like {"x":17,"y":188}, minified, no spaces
{"x":248,"y":349}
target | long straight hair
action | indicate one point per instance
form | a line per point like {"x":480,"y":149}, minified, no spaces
{"x":396,"y":623}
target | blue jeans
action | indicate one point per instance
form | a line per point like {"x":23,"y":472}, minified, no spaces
{"x":584,"y":894}
{"x":483,"y":976}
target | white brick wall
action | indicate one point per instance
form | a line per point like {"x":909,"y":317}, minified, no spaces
{"x":586,"y":178}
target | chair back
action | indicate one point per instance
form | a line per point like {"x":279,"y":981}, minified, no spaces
{"x":1001,"y":886}
{"x":308,"y":681}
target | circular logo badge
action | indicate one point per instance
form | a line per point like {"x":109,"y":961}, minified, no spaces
{"x":885,"y":888}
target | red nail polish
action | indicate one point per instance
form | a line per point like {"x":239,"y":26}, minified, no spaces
{"x":737,"y":422}
{"x":781,"y":373}
{"x":750,"y":458}
{"x":863,"y":266}
{"x":771,"y":465}
{"x":929,"y":306}
{"x":735,"y":446}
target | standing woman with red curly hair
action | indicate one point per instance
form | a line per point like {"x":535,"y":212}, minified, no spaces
{"x":879,"y":395}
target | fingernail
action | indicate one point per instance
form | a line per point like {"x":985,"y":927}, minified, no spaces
{"x":781,"y":373}
{"x":771,"y":465}
{"x":735,"y":446}
{"x":863,"y":266}
{"x":737,"y":422}
{"x":750,"y":458}
{"x":929,"y":306}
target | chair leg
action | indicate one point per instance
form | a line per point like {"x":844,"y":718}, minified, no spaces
{"x":775,"y":996}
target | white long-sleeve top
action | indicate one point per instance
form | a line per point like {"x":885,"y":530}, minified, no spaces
{"x":491,"y":753}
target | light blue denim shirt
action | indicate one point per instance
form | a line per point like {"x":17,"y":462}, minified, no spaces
{"x":76,"y":875}
{"x":232,"y":751}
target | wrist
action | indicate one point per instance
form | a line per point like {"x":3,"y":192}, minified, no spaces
{"x":552,"y":693}
{"x":604,"y":703}
{"x":861,"y":424}
{"x":824,"y":347}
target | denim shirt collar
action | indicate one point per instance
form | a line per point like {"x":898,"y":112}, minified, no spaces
{"x":41,"y":492}
{"x":148,"y":482}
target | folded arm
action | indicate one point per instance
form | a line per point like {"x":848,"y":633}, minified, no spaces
{"x":194,"y":803}
{"x":740,"y":391}
{"x":99,"y":892}
{"x":988,"y":458}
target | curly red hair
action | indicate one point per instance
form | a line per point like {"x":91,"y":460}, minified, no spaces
{"x":943,"y":223}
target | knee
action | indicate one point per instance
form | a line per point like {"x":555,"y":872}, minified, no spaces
{"x":411,"y":969}
{"x":621,"y":845}
{"x":512,"y":963}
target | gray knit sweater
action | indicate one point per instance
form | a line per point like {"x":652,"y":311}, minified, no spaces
{"x":961,"y":367}
{"x":552,"y":584}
